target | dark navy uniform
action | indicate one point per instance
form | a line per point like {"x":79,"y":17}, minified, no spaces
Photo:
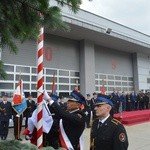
{"x":52,"y":138}
{"x":73,"y":123}
{"x":5,"y":115}
{"x":31,"y":106}
{"x":87,"y":112}
{"x":111,"y":135}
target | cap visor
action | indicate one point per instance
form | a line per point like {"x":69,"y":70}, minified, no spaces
{"x":101,"y":103}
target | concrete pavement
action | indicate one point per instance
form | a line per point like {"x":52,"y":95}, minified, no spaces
{"x":139,"y":136}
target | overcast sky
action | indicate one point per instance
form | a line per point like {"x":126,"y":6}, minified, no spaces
{"x":131,"y":13}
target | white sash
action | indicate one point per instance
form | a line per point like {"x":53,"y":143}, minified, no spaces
{"x":67,"y":141}
{"x":65,"y":138}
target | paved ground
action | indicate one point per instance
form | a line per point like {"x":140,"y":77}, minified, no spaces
{"x":139,"y":136}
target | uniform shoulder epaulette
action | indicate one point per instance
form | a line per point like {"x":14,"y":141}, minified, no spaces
{"x":115,"y":121}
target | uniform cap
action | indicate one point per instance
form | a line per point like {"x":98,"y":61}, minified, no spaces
{"x":54,"y":97}
{"x":5,"y":94}
{"x":87,"y":94}
{"x":76,"y":96}
{"x":100,"y":100}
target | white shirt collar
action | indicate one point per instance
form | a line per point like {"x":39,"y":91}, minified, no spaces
{"x":103,"y":120}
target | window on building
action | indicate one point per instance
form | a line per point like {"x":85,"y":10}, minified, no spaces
{"x":6,"y":86}
{"x":74,"y":74}
{"x":102,"y":76}
{"x":63,"y":80}
{"x":9,"y":68}
{"x":63,"y":73}
{"x":22,"y":69}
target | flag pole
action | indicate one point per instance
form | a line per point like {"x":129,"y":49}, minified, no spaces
{"x":40,"y":88}
{"x":19,"y":115}
{"x":53,"y":83}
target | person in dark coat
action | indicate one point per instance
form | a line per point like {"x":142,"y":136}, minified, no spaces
{"x":107,"y":133}
{"x":72,"y":121}
{"x":116,"y":101}
{"x":87,"y":110}
{"x":146,"y":100}
{"x":52,"y":138}
{"x":93,"y":100}
{"x":31,"y":106}
{"x":129,"y":103}
{"x":5,"y":116}
{"x":62,"y":103}
{"x":141,"y":100}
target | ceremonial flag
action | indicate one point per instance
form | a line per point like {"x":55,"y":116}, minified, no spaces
{"x":17,"y":97}
{"x":54,"y":86}
{"x":103,"y":89}
{"x":19,"y":102}
{"x":76,"y":87}
{"x":47,"y":122}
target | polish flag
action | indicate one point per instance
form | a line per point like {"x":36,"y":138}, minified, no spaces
{"x":17,"y":98}
{"x":103,"y":90}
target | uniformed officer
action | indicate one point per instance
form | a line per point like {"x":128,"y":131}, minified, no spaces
{"x":72,"y":121}
{"x":87,"y":110}
{"x":62,"y":103}
{"x":107,"y":133}
{"x":93,"y":100}
{"x":5,"y":116}
{"x":31,"y":106}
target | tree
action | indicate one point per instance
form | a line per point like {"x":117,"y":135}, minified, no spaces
{"x":21,"y":20}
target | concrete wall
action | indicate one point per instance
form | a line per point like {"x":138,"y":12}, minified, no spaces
{"x":109,"y":61}
{"x":62,"y":53}
{"x":143,"y":63}
{"x":87,"y":67}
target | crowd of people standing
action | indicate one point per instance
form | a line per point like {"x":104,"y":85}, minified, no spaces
{"x":75,"y":113}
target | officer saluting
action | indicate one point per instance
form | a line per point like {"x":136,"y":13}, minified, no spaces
{"x":107,"y":133}
{"x":5,"y":115}
{"x":72,"y":121}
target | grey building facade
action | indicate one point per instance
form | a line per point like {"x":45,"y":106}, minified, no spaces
{"x":96,"y":51}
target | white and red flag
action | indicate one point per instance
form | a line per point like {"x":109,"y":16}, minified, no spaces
{"x":17,"y":97}
{"x":103,"y":89}
{"x":19,"y":102}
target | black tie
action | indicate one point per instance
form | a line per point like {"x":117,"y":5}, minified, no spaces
{"x":99,"y":124}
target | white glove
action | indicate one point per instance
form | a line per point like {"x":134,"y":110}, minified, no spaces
{"x":12,"y":103}
{"x":46,"y":96}
{"x":10,"y":120}
{"x":18,"y":115}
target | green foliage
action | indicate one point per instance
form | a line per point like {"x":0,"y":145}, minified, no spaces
{"x":21,"y":20}
{"x":2,"y":72}
{"x":16,"y":145}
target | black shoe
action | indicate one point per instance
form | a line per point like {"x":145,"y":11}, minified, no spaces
{"x":3,"y":138}
{"x":19,"y":139}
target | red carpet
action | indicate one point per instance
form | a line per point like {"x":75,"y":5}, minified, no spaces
{"x":133,"y":117}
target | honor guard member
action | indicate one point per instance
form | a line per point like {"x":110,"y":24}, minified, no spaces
{"x":31,"y":106}
{"x":72,"y":121}
{"x":62,"y":103}
{"x":107,"y":133}
{"x":87,"y":110}
{"x":5,"y":116}
{"x":93,"y":100}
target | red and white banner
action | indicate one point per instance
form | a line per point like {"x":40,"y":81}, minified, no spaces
{"x":17,"y":97}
